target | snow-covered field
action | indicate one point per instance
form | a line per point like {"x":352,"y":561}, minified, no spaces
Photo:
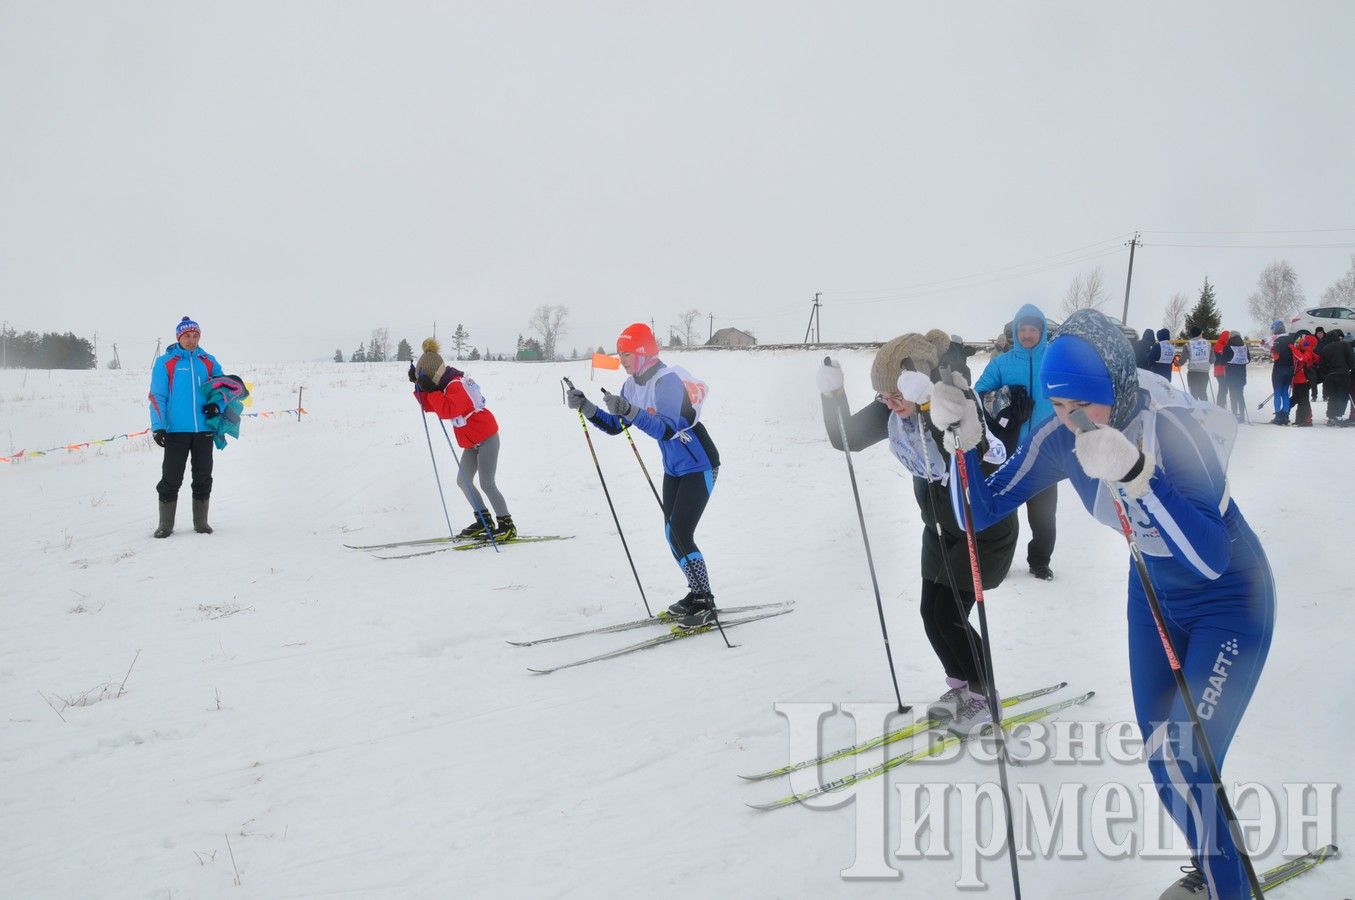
{"x":357,"y":727}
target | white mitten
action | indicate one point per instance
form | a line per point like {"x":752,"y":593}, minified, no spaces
{"x":1108,"y":455}
{"x":954,"y":413}
{"x":830,"y":377}
{"x":915,"y":387}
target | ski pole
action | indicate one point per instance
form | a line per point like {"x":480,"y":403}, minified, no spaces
{"x":489,"y":526}
{"x":1083,"y":423}
{"x":1265,"y":401}
{"x":640,"y":459}
{"x":994,"y":709}
{"x":583,"y":423}
{"x":865,"y":539}
{"x":428,"y":434}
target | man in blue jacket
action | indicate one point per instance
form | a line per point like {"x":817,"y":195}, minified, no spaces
{"x":1020,"y":367}
{"x":179,"y":385}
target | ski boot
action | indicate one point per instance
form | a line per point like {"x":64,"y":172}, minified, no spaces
{"x":970,"y":713}
{"x":943,"y":708}
{"x":702,"y":611}
{"x":476,"y":530}
{"x":505,"y":530}
{"x":1190,"y":887}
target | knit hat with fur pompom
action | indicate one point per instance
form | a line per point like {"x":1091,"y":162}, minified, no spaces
{"x":430,"y":363}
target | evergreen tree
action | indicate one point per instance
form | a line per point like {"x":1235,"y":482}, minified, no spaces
{"x":460,"y":339}
{"x":474,"y":353}
{"x":338,"y":356}
{"x":359,"y":355}
{"x":374,"y":353}
{"x":1205,"y":314}
{"x":530,"y":349}
{"x":404,"y":352}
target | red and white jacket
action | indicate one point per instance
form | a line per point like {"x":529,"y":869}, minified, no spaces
{"x":459,"y":400}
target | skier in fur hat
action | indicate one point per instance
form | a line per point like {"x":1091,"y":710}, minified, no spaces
{"x":902,"y":374}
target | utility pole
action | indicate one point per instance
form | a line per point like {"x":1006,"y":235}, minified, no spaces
{"x":1133,"y":243}
{"x":814,"y":320}
{"x":651,"y":326}
{"x":712,"y":328}
{"x":157,"y":352}
{"x":96,"y":349}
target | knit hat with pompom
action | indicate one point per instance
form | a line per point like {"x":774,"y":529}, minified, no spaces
{"x":430,"y":363}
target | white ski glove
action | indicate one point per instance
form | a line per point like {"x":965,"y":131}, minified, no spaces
{"x":915,"y":387}
{"x":829,"y":377}
{"x":954,"y":413}
{"x":1108,"y":455}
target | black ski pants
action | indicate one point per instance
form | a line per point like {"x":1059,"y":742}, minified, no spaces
{"x":1040,"y":511}
{"x":684,"y":500}
{"x":949,"y":632}
{"x":179,"y":446}
{"x":1337,"y":388}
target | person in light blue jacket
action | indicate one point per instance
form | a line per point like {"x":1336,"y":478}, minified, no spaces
{"x":179,"y":413}
{"x":1020,"y":367}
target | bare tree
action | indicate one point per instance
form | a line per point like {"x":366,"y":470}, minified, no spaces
{"x":1087,"y":291}
{"x":380,"y":348}
{"x":1174,"y":315}
{"x":1277,"y":293}
{"x":549,"y":322}
{"x":686,"y":326}
{"x":1342,"y":292}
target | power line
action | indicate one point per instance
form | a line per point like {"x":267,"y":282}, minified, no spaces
{"x":976,"y":281}
{"x":1259,"y":246}
{"x":1034,"y":262}
{"x":1261,"y":231}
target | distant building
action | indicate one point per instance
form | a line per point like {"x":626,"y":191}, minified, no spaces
{"x":731,"y":337}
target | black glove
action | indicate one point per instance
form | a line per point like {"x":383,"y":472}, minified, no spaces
{"x":575,"y":399}
{"x":619,"y":406}
{"x":412,"y":376}
{"x":426,"y":384}
{"x":159,"y":437}
{"x":211,"y":410}
{"x":1021,"y":405}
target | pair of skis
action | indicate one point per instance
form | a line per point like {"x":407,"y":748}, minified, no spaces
{"x":429,"y":546}
{"x":675,"y":633}
{"x":932,"y":749}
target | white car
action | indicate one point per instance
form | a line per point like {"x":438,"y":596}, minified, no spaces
{"x":1324,"y":317}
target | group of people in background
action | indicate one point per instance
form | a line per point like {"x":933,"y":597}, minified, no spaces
{"x":1301,"y":364}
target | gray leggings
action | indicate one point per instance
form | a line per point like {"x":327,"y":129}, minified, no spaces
{"x":483,"y":459}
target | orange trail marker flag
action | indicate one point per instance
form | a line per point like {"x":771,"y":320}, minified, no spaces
{"x":605,"y":361}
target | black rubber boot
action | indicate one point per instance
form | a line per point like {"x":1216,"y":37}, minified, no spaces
{"x":166,"y":528}
{"x":200,"y":516}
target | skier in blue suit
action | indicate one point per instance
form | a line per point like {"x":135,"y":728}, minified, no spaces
{"x":665,"y":403}
{"x":1165,"y":455}
{"x":1019,"y":367}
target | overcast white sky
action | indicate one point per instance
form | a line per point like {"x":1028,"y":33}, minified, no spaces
{"x":294,"y":174}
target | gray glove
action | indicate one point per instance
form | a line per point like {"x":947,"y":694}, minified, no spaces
{"x":619,"y":406}
{"x":575,"y":399}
